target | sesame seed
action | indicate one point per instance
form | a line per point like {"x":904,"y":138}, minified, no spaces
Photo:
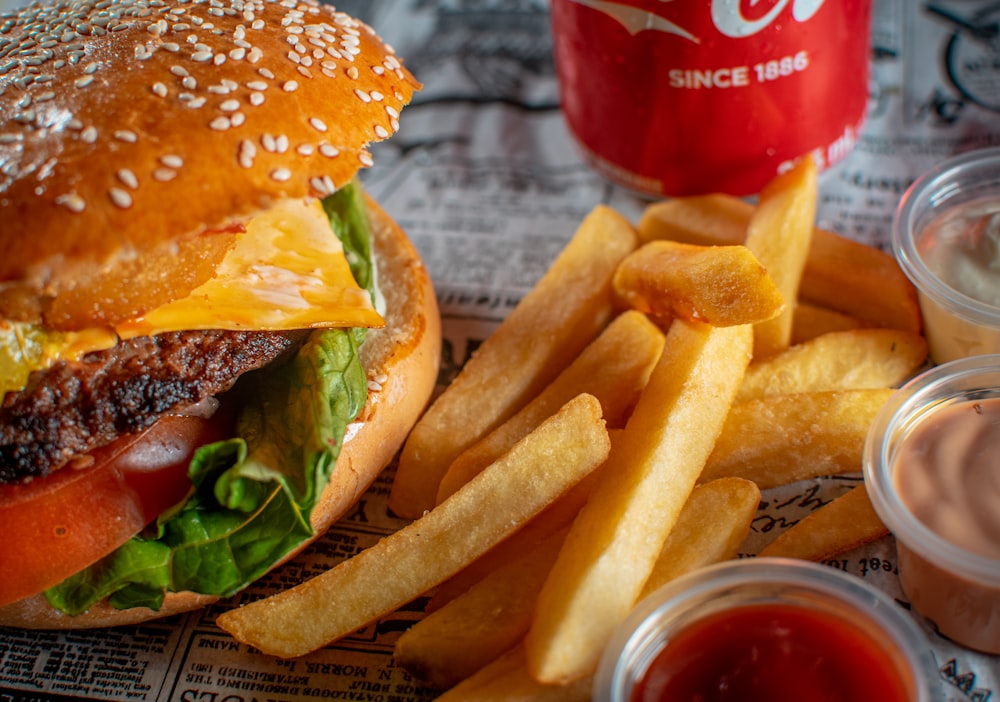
{"x":305,"y":149}
{"x":238,"y":54}
{"x":352,"y":72}
{"x":257,"y":85}
{"x":90,"y":68}
{"x":256,"y":99}
{"x":127,"y":177}
{"x":126,"y":136}
{"x":197,"y":102}
{"x":365,"y":158}
{"x":89,"y":135}
{"x":83,"y":81}
{"x":281,"y":144}
{"x":255,"y":55}
{"x":317,"y":124}
{"x":189,"y":82}
{"x":120,"y":198}
{"x":281,"y":174}
{"x":257,"y":24}
{"x":266,"y":73}
{"x":237,"y":119}
{"x":363,"y":96}
{"x":72,"y":202}
{"x":290,"y":86}
{"x":160,"y":89}
{"x":268,"y":142}
{"x":329,"y":150}
{"x":179,"y":71}
{"x":172,"y":46}
{"x":201,"y":56}
{"x":220,"y":124}
{"x":164,"y":175}
{"x":172,"y":161}
{"x":230,"y":105}
{"x":381,"y":132}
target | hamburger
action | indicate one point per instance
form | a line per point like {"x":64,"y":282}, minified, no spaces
{"x":211,"y":338}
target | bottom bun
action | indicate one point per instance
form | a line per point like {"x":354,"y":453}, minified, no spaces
{"x":401,"y":360}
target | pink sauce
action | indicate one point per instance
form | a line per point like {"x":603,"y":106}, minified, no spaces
{"x":948,"y":474}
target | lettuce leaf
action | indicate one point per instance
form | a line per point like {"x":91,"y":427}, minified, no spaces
{"x":252,"y":495}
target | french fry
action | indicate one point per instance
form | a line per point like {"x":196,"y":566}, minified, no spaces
{"x":779,"y":234}
{"x":851,"y":360}
{"x":779,"y":439}
{"x":840,"y":274}
{"x":718,"y":285}
{"x":553,"y":518}
{"x":507,"y":680}
{"x":614,"y":542}
{"x":572,"y":303}
{"x":845,"y":523}
{"x":409,"y":562}
{"x":494,"y":614}
{"x":556,"y":516}
{"x":613,"y":368}
{"x":711,"y":528}
{"x":476,"y":627}
{"x":810,"y":321}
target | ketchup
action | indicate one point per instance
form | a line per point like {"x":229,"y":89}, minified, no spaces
{"x":773,"y":652}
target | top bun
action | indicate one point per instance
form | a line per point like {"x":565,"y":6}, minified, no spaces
{"x":130,"y":128}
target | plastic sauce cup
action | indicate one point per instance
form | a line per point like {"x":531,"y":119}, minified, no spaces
{"x":945,"y":233}
{"x":770,"y":629}
{"x":953,"y":585}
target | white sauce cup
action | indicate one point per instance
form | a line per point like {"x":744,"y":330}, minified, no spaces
{"x":956,"y":325}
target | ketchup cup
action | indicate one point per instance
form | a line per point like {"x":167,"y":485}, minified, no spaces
{"x":932,"y":469}
{"x":770,"y":629}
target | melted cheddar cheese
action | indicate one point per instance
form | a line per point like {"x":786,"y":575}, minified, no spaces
{"x":288,"y":271}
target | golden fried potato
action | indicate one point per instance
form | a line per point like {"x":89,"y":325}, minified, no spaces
{"x":779,"y":234}
{"x":718,"y":285}
{"x":405,"y":564}
{"x":507,"y":680}
{"x":614,"y":368}
{"x":479,"y":625}
{"x":617,"y":537}
{"x":845,"y":523}
{"x":849,"y":360}
{"x":572,"y":303}
{"x":779,"y":439}
{"x":840,"y":274}
{"x":711,"y":528}
{"x":810,"y":321}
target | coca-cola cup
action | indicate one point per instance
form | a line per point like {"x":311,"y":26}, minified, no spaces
{"x":684,"y":97}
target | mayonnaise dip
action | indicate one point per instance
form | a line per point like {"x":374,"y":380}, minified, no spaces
{"x":962,"y":247}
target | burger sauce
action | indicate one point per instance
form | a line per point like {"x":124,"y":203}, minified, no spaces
{"x":776,"y":652}
{"x":947,"y":473}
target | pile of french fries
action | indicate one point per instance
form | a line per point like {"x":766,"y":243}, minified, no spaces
{"x":614,"y":433}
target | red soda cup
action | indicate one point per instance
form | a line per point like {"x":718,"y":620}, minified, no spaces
{"x":684,"y":97}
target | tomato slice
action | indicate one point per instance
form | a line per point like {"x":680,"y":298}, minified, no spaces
{"x":56,"y":526}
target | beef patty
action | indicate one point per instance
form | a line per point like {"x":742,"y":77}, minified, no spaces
{"x":75,"y":407}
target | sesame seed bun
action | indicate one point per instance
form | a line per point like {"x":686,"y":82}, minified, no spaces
{"x":136,"y":139}
{"x":401,"y":361}
{"x":129,"y":129}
